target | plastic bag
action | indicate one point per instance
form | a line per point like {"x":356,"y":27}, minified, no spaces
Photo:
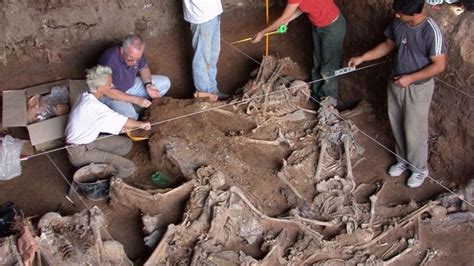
{"x":38,"y":109}
{"x":10,"y":151}
{"x":53,"y":104}
{"x":58,"y":95}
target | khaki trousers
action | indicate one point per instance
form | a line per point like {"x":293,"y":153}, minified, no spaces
{"x":106,"y":150}
{"x":408,"y":110}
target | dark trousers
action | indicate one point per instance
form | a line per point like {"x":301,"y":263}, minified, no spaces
{"x":327,"y":43}
{"x":106,"y":150}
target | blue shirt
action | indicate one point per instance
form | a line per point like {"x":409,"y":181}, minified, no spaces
{"x":416,"y":45}
{"x":123,"y":76}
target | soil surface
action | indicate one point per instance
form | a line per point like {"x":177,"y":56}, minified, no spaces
{"x":42,"y":186}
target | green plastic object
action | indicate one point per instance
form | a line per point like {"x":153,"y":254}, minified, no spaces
{"x":283,"y":28}
{"x":160,"y":180}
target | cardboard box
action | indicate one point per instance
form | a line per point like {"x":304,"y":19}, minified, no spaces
{"x":45,"y":134}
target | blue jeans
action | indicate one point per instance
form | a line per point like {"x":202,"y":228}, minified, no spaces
{"x":163,"y":83}
{"x":207,"y":45}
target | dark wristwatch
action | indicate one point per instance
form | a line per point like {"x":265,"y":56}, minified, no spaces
{"x":147,"y":83}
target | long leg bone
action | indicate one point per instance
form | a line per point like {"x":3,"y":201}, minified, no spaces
{"x":349,"y":176}
{"x":412,"y":216}
{"x":275,"y":142}
{"x":315,"y":222}
{"x":278,"y":141}
{"x":373,"y":200}
{"x":307,"y":110}
{"x":322,"y":153}
{"x":276,"y":74}
{"x":394,"y":246}
{"x":293,"y":188}
{"x":227,"y":113}
{"x":240,"y":194}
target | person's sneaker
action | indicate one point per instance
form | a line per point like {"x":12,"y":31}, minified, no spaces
{"x":397,"y":169}
{"x":417,"y":178}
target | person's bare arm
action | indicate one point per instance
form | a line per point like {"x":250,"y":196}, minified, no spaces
{"x":119,"y":95}
{"x":135,"y":124}
{"x":151,"y":89}
{"x":288,"y":15}
{"x":145,"y":74}
{"x":377,"y":52}
{"x":295,"y":15}
{"x":437,"y":66}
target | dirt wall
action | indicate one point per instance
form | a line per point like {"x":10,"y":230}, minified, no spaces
{"x":452,"y":109}
{"x":451,"y":124}
{"x":41,"y":41}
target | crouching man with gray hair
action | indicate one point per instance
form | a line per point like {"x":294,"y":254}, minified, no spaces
{"x":130,"y":91}
{"x":90,"y":117}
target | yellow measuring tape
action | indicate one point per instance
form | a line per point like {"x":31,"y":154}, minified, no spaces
{"x":282,"y":29}
{"x":267,"y":39}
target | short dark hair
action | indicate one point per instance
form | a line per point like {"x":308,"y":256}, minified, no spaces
{"x":408,"y":7}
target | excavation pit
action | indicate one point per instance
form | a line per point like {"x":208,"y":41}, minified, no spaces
{"x":268,"y":150}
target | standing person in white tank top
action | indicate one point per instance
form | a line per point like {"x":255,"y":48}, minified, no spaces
{"x":204,"y":17}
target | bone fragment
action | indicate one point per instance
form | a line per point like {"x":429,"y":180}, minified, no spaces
{"x":412,"y":216}
{"x":158,"y":254}
{"x":393,"y":247}
{"x":292,"y":188}
{"x":307,"y":110}
{"x":240,"y":194}
{"x":358,"y":162}
{"x":278,"y":141}
{"x":315,"y":222}
{"x":430,"y":254}
{"x":349,"y":176}
{"x":275,"y":142}
{"x":320,"y":160}
{"x":409,"y":249}
{"x":405,"y":221}
{"x":361,"y":108}
{"x":225,"y":112}
{"x":373,"y":200}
